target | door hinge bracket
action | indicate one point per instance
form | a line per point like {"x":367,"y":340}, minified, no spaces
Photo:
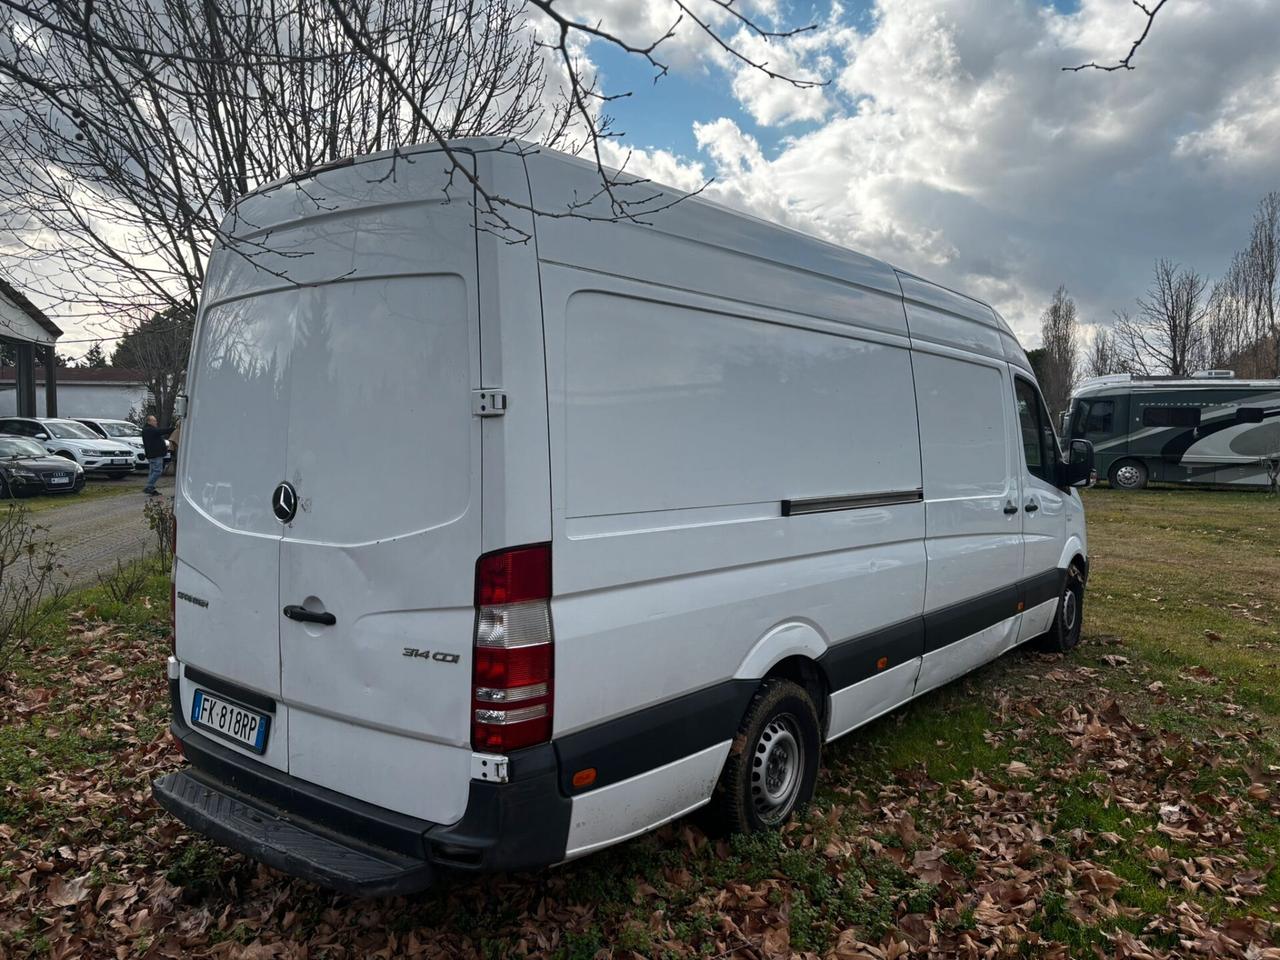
{"x":489,"y":766}
{"x":488,"y":403}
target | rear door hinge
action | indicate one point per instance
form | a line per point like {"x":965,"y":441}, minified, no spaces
{"x":488,"y":403}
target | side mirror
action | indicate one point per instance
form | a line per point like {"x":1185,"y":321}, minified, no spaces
{"x":42,"y":436}
{"x":1078,"y":470}
{"x":180,"y":406}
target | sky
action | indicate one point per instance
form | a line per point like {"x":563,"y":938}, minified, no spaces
{"x":948,"y":140}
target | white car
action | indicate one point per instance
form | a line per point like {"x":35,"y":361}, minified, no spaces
{"x":123,"y":431}
{"x":75,"y":441}
{"x":661,"y":507}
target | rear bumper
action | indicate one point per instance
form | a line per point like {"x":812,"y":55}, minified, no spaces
{"x":352,"y":846}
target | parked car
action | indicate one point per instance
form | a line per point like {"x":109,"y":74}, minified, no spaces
{"x":75,"y":441}
{"x":713,"y":494}
{"x":26,"y":469}
{"x":121,"y":431}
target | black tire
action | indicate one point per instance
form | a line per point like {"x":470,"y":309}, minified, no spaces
{"x":1128,"y":475}
{"x":773,"y":763}
{"x":1064,"y":635}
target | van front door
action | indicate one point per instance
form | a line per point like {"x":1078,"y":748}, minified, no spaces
{"x":1044,"y":519}
{"x":972,"y":516}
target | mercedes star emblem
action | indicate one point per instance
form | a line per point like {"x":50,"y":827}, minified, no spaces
{"x":284,"y":502}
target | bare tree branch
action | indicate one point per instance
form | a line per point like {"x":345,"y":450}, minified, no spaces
{"x":128,"y":130}
{"x":1126,"y":62}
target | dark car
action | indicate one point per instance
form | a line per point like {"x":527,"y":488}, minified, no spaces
{"x":26,"y":469}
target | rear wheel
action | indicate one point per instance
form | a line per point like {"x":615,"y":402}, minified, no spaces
{"x":773,"y":763}
{"x":1128,"y":475}
{"x":1064,"y":635}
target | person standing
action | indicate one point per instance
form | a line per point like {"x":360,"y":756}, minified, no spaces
{"x":153,"y":445}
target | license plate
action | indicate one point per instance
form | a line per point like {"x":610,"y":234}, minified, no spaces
{"x":238,"y":724}
{"x":59,"y":479}
{"x":121,"y":461}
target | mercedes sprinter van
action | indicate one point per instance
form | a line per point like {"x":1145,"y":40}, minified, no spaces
{"x":491,"y":554}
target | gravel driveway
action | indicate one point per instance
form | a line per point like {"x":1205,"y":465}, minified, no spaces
{"x":94,"y":533}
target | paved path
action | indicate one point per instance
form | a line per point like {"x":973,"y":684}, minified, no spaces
{"x":94,"y":533}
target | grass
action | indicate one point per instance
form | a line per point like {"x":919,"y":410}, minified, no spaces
{"x":1043,"y":805}
{"x":93,"y":490}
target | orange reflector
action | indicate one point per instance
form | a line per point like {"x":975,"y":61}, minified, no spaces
{"x":584,"y":778}
{"x":1021,"y":605}
{"x":882,"y":663}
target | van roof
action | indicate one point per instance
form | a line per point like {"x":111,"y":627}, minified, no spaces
{"x":891,"y":278}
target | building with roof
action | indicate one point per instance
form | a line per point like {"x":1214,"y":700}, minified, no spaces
{"x":110,"y":393}
{"x":30,"y":336}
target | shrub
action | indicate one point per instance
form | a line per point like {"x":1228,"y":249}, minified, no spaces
{"x":159,"y":514}
{"x":32,"y":580}
{"x":126,"y":582}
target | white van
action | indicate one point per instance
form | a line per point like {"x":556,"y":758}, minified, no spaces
{"x":493,"y":554}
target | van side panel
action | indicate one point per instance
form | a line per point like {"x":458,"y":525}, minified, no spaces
{"x":679,"y":426}
{"x":683,"y":431}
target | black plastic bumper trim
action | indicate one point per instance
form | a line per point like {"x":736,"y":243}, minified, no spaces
{"x":518,"y":825}
{"x":285,"y":841}
{"x":1042,"y":587}
{"x":854,"y":660}
{"x":655,"y":736}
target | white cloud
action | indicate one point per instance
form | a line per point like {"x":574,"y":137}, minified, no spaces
{"x":953,"y":144}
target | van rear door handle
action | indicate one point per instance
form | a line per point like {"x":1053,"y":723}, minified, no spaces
{"x":1010,"y":509}
{"x":1032,"y":507}
{"x":302,"y":614}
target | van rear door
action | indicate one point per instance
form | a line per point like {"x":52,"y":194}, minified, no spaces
{"x":228,"y":552}
{"x":384,"y":455}
{"x":353,"y":348}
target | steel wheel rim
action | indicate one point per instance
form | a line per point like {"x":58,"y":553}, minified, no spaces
{"x":1069,"y":605}
{"x":1127,"y":476}
{"x":777,"y":768}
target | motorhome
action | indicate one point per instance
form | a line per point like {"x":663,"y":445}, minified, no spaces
{"x":1207,"y":428}
{"x":492,"y":554}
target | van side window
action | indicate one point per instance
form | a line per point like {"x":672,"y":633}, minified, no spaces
{"x":1035,"y":431}
{"x":1171,"y":417}
{"x":1249,"y":414}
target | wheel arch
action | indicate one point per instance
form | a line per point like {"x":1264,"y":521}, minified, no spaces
{"x":1073,"y":554}
{"x":812,"y":678}
{"x":791,"y":650}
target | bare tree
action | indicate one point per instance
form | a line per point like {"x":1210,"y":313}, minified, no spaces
{"x":1103,"y":358}
{"x":1167,"y":336}
{"x":1261,"y":266}
{"x":1241,"y":328}
{"x":1060,"y":338}
{"x":1126,"y":62}
{"x":158,"y":347}
{"x":131,"y":127}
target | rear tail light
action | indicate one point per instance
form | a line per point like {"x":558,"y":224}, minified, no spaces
{"x":511,"y":692}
